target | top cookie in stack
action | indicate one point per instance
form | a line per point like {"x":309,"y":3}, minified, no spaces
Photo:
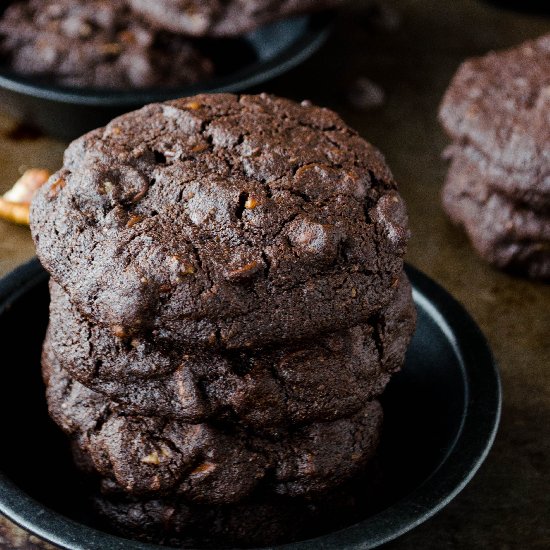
{"x":225,"y":222}
{"x":497,"y":111}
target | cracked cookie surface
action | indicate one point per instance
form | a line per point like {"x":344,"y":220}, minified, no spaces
{"x":223,"y":221}
{"x":497,"y":109}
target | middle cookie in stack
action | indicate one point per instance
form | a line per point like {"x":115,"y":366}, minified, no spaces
{"x":228,"y":298}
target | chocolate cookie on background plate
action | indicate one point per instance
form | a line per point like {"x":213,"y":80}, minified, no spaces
{"x":497,"y":111}
{"x":95,"y":44}
{"x":195,"y":220}
{"x":263,"y":389}
{"x":222,"y":17}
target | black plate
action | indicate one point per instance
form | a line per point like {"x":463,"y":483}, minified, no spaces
{"x":442,"y":412}
{"x":244,"y":62}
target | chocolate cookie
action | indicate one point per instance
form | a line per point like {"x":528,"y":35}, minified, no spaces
{"x":95,"y":43}
{"x":529,"y":188}
{"x":500,"y":104}
{"x":259,"y":521}
{"x":222,"y":18}
{"x":223,"y":221}
{"x":329,"y":378}
{"x":506,"y":234}
{"x":152,"y":455}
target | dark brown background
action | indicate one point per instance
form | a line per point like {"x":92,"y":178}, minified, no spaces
{"x":411,"y":51}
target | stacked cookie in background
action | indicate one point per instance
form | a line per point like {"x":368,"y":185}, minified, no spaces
{"x":228,"y":302}
{"x":497,"y":111}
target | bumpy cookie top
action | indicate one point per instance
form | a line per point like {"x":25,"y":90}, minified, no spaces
{"x":500,"y":103}
{"x":222,"y":17}
{"x":223,"y":220}
{"x":95,"y":43}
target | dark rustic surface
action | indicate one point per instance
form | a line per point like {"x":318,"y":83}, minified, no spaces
{"x":411,"y":51}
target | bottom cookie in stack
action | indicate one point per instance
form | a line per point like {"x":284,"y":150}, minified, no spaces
{"x":167,"y":482}
{"x":508,"y":233}
{"x":261,"y":520}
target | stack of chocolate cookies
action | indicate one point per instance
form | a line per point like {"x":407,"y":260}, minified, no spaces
{"x":228,"y":302}
{"x":497,"y":111}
